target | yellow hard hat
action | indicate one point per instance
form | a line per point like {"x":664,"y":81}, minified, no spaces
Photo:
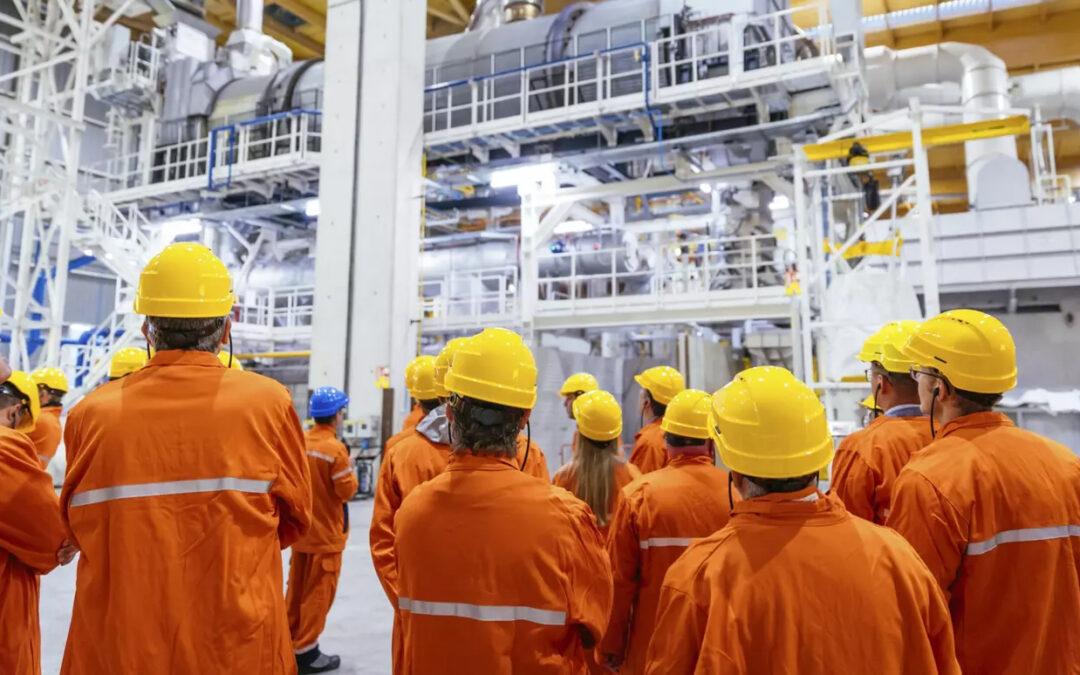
{"x":767,"y":424}
{"x":127,"y":361}
{"x":887,"y":344}
{"x":972,"y":350}
{"x":868,"y":403}
{"x":225,"y":361}
{"x":420,"y":378}
{"x":579,"y":383}
{"x":22,"y":383}
{"x":443,"y":362}
{"x":494,"y":366}
{"x":663,"y":382}
{"x":185,"y":281}
{"x":53,"y":378}
{"x":598,"y":415}
{"x":688,"y":414}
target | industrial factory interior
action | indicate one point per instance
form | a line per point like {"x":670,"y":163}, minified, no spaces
{"x":638,"y":197}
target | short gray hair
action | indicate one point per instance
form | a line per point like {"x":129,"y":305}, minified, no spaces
{"x":195,"y":335}
{"x":759,"y":487}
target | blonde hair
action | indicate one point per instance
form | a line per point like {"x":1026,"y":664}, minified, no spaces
{"x":593,"y":475}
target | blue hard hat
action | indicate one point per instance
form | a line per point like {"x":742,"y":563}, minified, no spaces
{"x":326,"y":402}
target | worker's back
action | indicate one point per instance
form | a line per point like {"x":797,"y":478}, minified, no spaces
{"x":868,"y":462}
{"x":498,"y":573}
{"x":188,"y":480}
{"x":46,"y":434}
{"x":794,"y":584}
{"x":662,"y":513}
{"x":995,"y":512}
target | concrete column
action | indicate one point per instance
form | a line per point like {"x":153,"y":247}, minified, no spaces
{"x":371,"y":182}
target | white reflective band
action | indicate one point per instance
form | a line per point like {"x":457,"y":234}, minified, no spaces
{"x":305,"y":650}
{"x":544,"y":617}
{"x":1027,"y":534}
{"x":44,"y":458}
{"x":341,"y":474}
{"x":319,"y":455}
{"x":660,"y":542}
{"x":885,"y":513}
{"x":812,"y":497}
{"x":176,"y":487}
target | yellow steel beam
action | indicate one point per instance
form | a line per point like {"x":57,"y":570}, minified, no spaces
{"x":460,"y":10}
{"x":301,"y":45}
{"x":445,"y":16}
{"x":932,"y":136}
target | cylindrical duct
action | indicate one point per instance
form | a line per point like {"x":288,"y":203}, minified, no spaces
{"x":249,"y":14}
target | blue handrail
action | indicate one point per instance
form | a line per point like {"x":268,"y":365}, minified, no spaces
{"x":232,"y":129}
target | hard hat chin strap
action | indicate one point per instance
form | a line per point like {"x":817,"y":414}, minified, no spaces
{"x":230,"y":349}
{"x":528,"y":444}
{"x":730,"y":498}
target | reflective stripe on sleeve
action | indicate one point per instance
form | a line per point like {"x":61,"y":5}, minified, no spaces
{"x":341,"y":474}
{"x":660,"y":542}
{"x":44,"y":458}
{"x":176,"y":487}
{"x":544,"y":617}
{"x":1026,"y":534}
{"x":319,"y":455}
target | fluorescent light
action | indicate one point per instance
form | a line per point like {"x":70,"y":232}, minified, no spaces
{"x":87,"y":251}
{"x":524,"y":177}
{"x":312,"y":208}
{"x":573,"y":226}
{"x":779,"y":203}
{"x":706,"y":188}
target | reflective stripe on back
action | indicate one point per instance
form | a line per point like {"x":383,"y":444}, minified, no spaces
{"x":1026,"y":534}
{"x":319,"y":455}
{"x":176,"y":487}
{"x":659,"y":542}
{"x":544,"y":617}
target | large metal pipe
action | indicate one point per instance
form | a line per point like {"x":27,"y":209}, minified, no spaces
{"x":984,"y":90}
{"x":1055,"y":92}
{"x":249,"y":15}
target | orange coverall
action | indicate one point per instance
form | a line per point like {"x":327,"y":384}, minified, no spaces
{"x":498,"y":573}
{"x":189,"y":478}
{"x":995,"y":513}
{"x":625,"y":473}
{"x":869,"y":460}
{"x":30,"y":535}
{"x":796,"y":586}
{"x":659,"y":516}
{"x":650,"y":452}
{"x":411,"y":420}
{"x":316,"y":558}
{"x":413,"y":461}
{"x":46,"y":434}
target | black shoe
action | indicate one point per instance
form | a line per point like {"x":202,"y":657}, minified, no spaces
{"x":315,"y":661}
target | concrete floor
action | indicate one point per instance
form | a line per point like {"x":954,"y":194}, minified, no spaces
{"x":358,"y":628}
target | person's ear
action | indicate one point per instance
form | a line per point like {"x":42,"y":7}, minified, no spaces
{"x":227,"y":332}
{"x":146,"y":329}
{"x":525,"y":419}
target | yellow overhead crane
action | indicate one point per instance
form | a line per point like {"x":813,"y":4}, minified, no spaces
{"x":931,"y":136}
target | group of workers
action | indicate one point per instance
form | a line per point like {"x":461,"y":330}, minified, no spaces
{"x":949,"y":540}
{"x":186,"y":478}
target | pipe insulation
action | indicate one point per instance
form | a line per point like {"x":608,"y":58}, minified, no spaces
{"x":1056,"y":93}
{"x":249,"y":15}
{"x":984,"y":89}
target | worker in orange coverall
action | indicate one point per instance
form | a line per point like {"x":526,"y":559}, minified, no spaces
{"x":32,"y":536}
{"x":660,"y":515}
{"x":993,"y":510}
{"x":794,"y":583}
{"x":658,"y":386}
{"x":869,"y":460}
{"x":51,"y":384}
{"x":497,"y":572}
{"x":187,"y":481}
{"x":316,"y":559}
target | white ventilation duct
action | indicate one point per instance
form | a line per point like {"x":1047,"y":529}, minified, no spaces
{"x":249,"y":15}
{"x":1055,"y":92}
{"x":995,"y":177}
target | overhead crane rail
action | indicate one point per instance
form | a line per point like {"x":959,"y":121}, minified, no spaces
{"x":948,"y":134}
